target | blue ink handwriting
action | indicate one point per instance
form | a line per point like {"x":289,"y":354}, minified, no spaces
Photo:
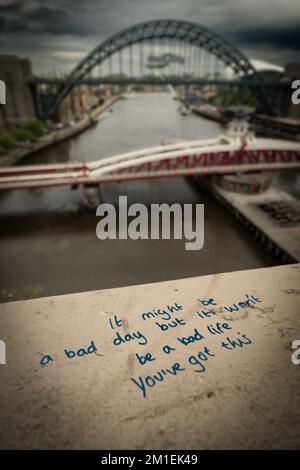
{"x":239,"y":342}
{"x":81,"y":352}
{"x":218,"y":328}
{"x":152,"y":380}
{"x":142,"y":339}
{"x":172,"y":324}
{"x":202,"y":356}
{"x":115,"y":322}
{"x":165,"y":313}
{"x":148,"y":357}
{"x":197,"y":336}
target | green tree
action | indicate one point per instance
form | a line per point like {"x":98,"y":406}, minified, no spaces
{"x":36,"y":128}
{"x":7,"y":141}
{"x":22,"y":135}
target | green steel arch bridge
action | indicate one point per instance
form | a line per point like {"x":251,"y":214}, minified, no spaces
{"x":161,"y":52}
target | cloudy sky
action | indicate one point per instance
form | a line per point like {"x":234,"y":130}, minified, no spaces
{"x":56,"y":34}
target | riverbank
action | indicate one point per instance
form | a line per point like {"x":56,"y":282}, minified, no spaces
{"x":54,"y":137}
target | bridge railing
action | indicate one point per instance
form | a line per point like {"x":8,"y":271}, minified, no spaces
{"x":225,"y":154}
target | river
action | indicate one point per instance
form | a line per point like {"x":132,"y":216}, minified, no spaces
{"x":48,"y":243}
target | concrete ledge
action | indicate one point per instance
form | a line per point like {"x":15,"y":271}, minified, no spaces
{"x":244,"y":397}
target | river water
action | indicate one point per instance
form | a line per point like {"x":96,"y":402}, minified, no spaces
{"x":48,"y":243}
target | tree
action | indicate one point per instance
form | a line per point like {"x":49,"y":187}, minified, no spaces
{"x":7,"y":141}
{"x":22,"y":135}
{"x":36,"y":127}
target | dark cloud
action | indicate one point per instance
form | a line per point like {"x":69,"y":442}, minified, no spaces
{"x":71,"y":27}
{"x":63,"y":17}
{"x":41,"y":19}
{"x":54,"y":21}
{"x":281,"y":37}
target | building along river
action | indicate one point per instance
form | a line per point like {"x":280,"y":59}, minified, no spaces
{"x":48,"y":243}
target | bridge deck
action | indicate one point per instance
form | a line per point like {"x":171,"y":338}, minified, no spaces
{"x":224,"y":155}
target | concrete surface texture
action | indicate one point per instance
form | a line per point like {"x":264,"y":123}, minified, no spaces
{"x":199,"y":363}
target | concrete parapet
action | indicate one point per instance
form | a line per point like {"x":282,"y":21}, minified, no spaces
{"x":97,"y":370}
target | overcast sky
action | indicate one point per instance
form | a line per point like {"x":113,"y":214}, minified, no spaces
{"x":58,"y":33}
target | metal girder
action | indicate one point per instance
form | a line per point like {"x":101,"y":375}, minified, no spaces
{"x":152,"y":80}
{"x":183,"y":31}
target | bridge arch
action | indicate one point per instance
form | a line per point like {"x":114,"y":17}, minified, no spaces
{"x":183,"y":31}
